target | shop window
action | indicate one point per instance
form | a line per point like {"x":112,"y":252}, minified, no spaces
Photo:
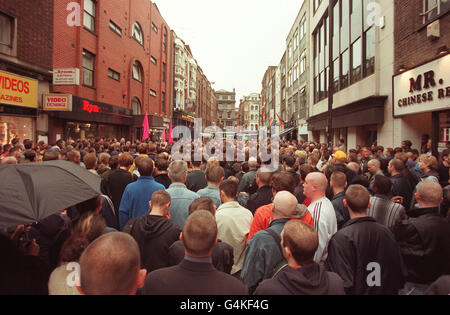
{"x":88,"y":68}
{"x":89,"y":14}
{"x":444,"y":131}
{"x":137,"y":33}
{"x":15,"y":127}
{"x":137,"y":71}
{"x":136,"y":106}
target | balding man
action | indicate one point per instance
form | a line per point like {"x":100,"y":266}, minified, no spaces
{"x":195,"y":275}
{"x":322,"y":211}
{"x":111,"y":266}
{"x":302,"y":276}
{"x":263,"y":254}
{"x":374,"y":167}
{"x":364,"y":253}
{"x":424,"y":238}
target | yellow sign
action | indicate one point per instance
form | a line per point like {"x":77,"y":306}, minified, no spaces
{"x":18,"y":90}
{"x":57,"y":102}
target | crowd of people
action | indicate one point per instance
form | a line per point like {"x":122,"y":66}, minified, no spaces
{"x":328,"y":221}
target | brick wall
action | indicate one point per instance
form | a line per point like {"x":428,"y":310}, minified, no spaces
{"x":118,"y":53}
{"x":34,"y":29}
{"x":412,"y":47}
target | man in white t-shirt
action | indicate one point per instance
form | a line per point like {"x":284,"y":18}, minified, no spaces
{"x":322,"y":211}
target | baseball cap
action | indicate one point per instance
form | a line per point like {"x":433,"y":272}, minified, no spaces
{"x":339,"y":155}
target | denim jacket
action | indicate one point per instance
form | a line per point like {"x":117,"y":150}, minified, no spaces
{"x":212,"y":192}
{"x":181,"y":199}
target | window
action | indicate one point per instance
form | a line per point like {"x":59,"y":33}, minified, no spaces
{"x":154,"y":27}
{"x":137,"y":33}
{"x":163,"y":102}
{"x":137,"y":71}
{"x":356,"y":52}
{"x":6,"y":34}
{"x":115,"y":28}
{"x":369,"y":58}
{"x":114,"y":74}
{"x":356,"y":18}
{"x":296,"y":71}
{"x":164,"y":72}
{"x":164,"y":43}
{"x":153,"y":59}
{"x":295,"y":40}
{"x":229,"y":115}
{"x":434,"y":8}
{"x":303,"y":62}
{"x":89,"y":15}
{"x":345,"y":25}
{"x":153,"y":93}
{"x":345,"y":69}
{"x":136,"y":106}
{"x":303,"y":27}
{"x":88,"y":68}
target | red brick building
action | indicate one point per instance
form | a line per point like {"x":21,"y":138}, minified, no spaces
{"x":26,"y":44}
{"x":206,"y":107}
{"x":421,"y":82}
{"x":123,"y":56}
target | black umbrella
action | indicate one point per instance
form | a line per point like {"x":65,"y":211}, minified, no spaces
{"x":33,"y":191}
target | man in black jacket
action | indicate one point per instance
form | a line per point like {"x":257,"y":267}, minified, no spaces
{"x":302,"y":276}
{"x":400,"y":185}
{"x":222,"y":253}
{"x":263,"y":195}
{"x":155,"y":233}
{"x":424,"y":239}
{"x":115,"y":183}
{"x":195,"y":275}
{"x":365,"y":253}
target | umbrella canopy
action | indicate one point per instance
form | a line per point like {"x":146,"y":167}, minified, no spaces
{"x":33,"y":191}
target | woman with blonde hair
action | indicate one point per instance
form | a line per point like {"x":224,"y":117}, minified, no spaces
{"x":87,"y":228}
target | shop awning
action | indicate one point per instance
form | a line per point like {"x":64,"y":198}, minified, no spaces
{"x":282,"y":133}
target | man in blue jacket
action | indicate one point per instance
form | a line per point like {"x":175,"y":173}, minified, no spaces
{"x":263,"y":251}
{"x":137,"y":195}
{"x":181,"y":196}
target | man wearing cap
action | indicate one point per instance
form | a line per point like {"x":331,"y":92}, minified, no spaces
{"x":263,"y":254}
{"x":338,"y":161}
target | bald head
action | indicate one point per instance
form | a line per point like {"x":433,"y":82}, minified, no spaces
{"x":110,"y":265}
{"x":319,"y":180}
{"x":285,"y":205}
{"x":429,"y":194}
{"x":354,"y":167}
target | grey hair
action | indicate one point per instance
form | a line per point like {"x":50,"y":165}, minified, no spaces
{"x":177,"y":171}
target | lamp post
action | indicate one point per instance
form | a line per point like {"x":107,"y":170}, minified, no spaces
{"x":330,"y":75}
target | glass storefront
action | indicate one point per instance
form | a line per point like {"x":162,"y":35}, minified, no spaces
{"x":83,"y":130}
{"x":444,"y":131}
{"x":16,"y":127}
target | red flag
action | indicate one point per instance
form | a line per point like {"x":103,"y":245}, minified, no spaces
{"x":163,"y":136}
{"x":171,"y":134}
{"x":146,"y":128}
